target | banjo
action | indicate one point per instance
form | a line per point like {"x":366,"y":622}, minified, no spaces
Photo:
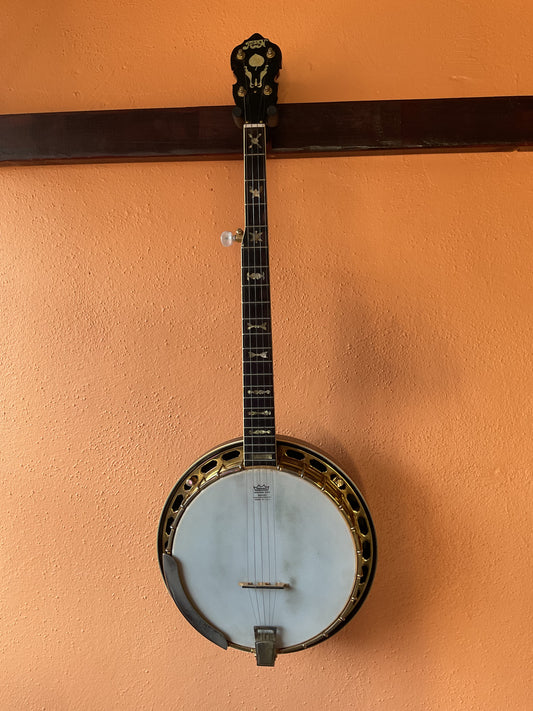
{"x":265,"y":544}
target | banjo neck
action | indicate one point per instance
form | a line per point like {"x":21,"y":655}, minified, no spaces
{"x":257,"y":367}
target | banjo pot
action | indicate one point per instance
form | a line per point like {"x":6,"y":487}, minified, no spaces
{"x":264,"y":543}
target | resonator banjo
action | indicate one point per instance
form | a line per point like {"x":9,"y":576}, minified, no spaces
{"x":264,"y":543}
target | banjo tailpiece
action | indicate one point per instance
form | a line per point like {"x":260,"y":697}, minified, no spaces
{"x":265,"y":646}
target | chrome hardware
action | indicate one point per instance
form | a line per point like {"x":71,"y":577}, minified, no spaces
{"x":227,"y":238}
{"x":265,"y":646}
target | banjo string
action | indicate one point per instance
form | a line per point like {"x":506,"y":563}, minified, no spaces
{"x":258,"y":543}
{"x":269,"y":476}
{"x":264,"y":556}
{"x":251,"y":539}
{"x":249,"y":186}
{"x":258,"y":210}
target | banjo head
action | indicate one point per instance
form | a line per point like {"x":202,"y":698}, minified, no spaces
{"x":290,"y":547}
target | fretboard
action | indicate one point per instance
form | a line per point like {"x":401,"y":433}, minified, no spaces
{"x":258,"y":380}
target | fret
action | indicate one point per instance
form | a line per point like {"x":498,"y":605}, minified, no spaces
{"x":260,"y":372}
{"x":252,"y":381}
{"x":257,"y":459}
{"x":253,"y":338}
{"x":258,"y":404}
{"x":255,"y":277}
{"x":256,"y":376}
{"x":252,"y":308}
{"x":256,"y":346}
{"x":257,"y":382}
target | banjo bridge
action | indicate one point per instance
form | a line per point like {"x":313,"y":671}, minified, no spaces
{"x":264,"y":586}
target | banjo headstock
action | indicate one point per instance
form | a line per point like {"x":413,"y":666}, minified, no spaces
{"x":256,"y":64}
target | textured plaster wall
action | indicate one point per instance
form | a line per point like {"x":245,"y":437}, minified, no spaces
{"x":403,"y":331}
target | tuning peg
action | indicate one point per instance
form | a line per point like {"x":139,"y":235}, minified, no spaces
{"x":228,"y":238}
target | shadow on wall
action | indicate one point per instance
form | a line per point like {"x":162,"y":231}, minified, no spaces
{"x":396,"y":372}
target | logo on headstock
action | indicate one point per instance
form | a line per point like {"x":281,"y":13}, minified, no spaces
{"x":254,"y":44}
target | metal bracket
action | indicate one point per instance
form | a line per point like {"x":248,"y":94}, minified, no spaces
{"x":265,"y":646}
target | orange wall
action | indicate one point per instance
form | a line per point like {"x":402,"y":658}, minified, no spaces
{"x":403,"y":331}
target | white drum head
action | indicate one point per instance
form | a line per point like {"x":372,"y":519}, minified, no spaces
{"x":266,"y":527}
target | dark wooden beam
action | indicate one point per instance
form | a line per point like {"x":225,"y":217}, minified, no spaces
{"x":208,"y":132}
